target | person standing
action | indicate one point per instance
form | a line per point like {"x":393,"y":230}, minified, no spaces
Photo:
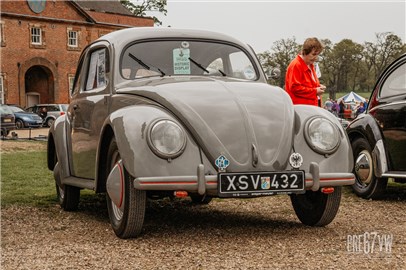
{"x":301,"y":81}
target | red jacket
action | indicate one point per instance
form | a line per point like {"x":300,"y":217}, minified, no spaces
{"x":300,"y":84}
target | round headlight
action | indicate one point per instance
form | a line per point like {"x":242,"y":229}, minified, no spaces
{"x":322,"y":135}
{"x":166,"y":139}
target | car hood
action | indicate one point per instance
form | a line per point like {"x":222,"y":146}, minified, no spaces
{"x":250,"y":123}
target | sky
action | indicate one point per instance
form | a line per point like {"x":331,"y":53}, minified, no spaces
{"x":261,"y":23}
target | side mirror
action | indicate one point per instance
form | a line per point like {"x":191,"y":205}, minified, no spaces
{"x":273,"y":73}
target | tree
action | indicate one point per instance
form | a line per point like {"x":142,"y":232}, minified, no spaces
{"x":141,"y":7}
{"x":282,"y":53}
{"x":380,"y":54}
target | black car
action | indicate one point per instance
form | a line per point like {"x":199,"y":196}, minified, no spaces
{"x":378,"y":137}
{"x":25,"y":119}
{"x":7,"y":120}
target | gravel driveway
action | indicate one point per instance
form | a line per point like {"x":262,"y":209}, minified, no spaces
{"x":261,"y":233}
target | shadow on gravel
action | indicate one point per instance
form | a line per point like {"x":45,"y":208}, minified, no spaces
{"x":181,"y":216}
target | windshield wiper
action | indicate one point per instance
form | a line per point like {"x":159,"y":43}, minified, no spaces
{"x":139,"y":61}
{"x":199,"y":65}
{"x":222,"y":73}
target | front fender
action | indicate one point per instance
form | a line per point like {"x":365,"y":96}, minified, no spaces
{"x":365,"y":126}
{"x":130,"y":126}
{"x":340,"y":161}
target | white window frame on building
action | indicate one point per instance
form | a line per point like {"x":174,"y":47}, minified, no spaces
{"x":36,"y":36}
{"x":1,"y":89}
{"x":73,"y":38}
{"x":2,"y":40}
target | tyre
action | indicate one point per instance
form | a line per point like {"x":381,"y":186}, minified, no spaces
{"x":19,"y":124}
{"x":128,"y":218}
{"x":49,"y":122}
{"x":315,"y":208}
{"x":200,"y":199}
{"x":366,"y":184}
{"x":68,"y":196}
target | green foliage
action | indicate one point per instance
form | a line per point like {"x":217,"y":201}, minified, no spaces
{"x":143,"y":6}
{"x":25,"y":179}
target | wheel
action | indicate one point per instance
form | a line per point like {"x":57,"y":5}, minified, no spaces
{"x":49,"y":122}
{"x":127,"y":218}
{"x":315,"y":208}
{"x":200,"y":199}
{"x":366,"y":184}
{"x":68,"y":196}
{"x":19,"y":124}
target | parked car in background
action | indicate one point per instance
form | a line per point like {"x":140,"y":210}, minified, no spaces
{"x":378,"y":136}
{"x":7,"y":120}
{"x":164,"y":112}
{"x":24,"y":119}
{"x":49,"y":112}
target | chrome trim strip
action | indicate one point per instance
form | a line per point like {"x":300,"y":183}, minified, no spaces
{"x":394,"y":175}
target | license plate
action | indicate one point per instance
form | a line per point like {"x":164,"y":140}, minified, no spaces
{"x":7,"y":120}
{"x":260,"y":184}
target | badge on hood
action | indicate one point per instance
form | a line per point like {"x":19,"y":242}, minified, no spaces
{"x":222,"y":162}
{"x":296,"y":160}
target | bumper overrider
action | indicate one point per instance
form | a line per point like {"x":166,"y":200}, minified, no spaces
{"x":200,"y":183}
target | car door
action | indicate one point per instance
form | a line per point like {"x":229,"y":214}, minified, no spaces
{"x":391,"y":114}
{"x":89,"y":108}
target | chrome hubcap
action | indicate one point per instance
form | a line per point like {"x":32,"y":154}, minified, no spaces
{"x":117,"y":212}
{"x":363,"y":167}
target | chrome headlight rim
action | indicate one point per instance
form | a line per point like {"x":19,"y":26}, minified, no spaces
{"x":155,"y":149}
{"x":310,"y":142}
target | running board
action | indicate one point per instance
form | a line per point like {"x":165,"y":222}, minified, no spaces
{"x":79,"y":182}
{"x":394,"y":174}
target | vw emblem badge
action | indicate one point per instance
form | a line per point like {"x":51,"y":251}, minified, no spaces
{"x":296,"y":160}
{"x":222,"y":162}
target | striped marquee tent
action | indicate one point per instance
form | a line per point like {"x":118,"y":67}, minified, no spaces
{"x":352,"y":97}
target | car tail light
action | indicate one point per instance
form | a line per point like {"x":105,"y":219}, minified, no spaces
{"x":62,"y":113}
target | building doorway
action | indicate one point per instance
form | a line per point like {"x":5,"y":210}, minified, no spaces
{"x":39,"y":85}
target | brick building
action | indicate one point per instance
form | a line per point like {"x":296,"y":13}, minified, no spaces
{"x":41,"y":41}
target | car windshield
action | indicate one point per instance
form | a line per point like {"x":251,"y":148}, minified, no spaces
{"x":186,"y":57}
{"x":4,"y":109}
{"x":16,"y":109}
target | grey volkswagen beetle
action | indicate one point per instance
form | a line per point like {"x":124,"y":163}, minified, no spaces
{"x":164,"y":112}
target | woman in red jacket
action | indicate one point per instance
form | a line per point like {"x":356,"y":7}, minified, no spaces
{"x":301,"y":81}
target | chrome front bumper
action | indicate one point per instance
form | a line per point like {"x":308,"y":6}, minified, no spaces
{"x":201,"y":183}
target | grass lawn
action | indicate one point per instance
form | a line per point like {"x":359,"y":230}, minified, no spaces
{"x":25,"y":179}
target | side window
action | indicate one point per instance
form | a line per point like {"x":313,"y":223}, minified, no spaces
{"x":395,"y":83}
{"x":215,"y":66}
{"x":96,"y":75}
{"x":71,"y":80}
{"x":242,"y":67}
